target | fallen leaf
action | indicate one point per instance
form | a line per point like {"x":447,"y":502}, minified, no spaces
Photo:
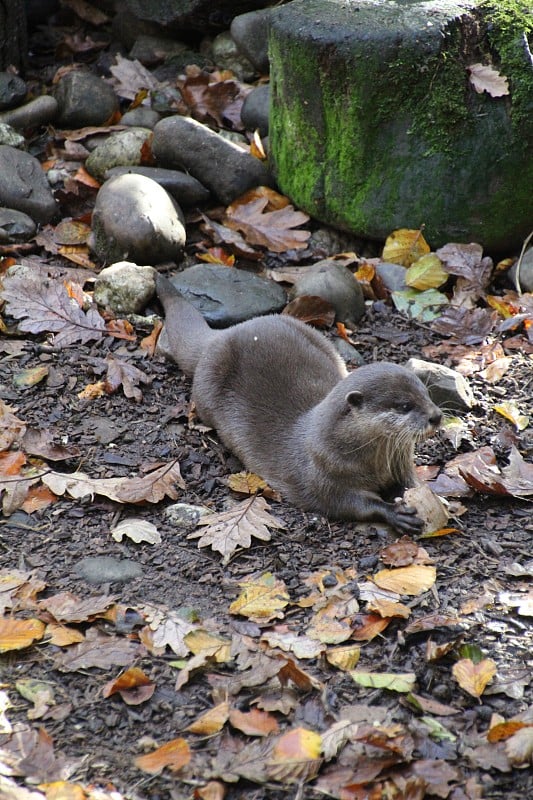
{"x":426,"y":273}
{"x":254,"y":722}
{"x":262,"y":599}
{"x":133,"y":685}
{"x":131,"y":77}
{"x":344,"y":658}
{"x":394,"y":682}
{"x":295,"y":756}
{"x":404,"y":247}
{"x":44,"y":305}
{"x":509,"y":410}
{"x":271,"y":229}
{"x":228,"y":530}
{"x":136,"y":529}
{"x":27,"y":378}
{"x":412,"y":580}
{"x":11,"y":427}
{"x":519,"y":747}
{"x":67,"y":607}
{"x":99,"y":651}
{"x":211,"y":721}
{"x":174,"y":755}
{"x":39,"y":693}
{"x":485,"y":78}
{"x":473,"y":678}
{"x":152,"y":487}
{"x":311,"y":309}
{"x":15,"y":634}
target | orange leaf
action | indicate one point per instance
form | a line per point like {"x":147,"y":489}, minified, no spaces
{"x":174,"y":755}
{"x":504,"y":730}
{"x":11,"y":462}
{"x":62,"y":635}
{"x":63,"y":790}
{"x":254,"y":722}
{"x":38,"y":497}
{"x":16,"y":634}
{"x":130,"y":679}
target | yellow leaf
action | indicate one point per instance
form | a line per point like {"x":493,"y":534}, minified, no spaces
{"x":63,"y":790}
{"x":211,"y":721}
{"x":509,"y":410}
{"x":261,"y":599}
{"x":411,"y":580}
{"x":473,"y":678}
{"x":344,"y":658}
{"x":200,"y":641}
{"x":246,"y":483}
{"x":426,"y":273}
{"x":404,"y":247}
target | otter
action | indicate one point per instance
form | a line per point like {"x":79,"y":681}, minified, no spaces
{"x":282,"y":400}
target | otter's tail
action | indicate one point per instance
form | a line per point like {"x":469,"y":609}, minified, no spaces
{"x":186,"y":334}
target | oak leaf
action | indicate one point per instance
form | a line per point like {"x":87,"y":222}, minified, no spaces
{"x":227,"y":531}
{"x":485,"y":78}
{"x":271,"y":229}
{"x":262,"y":599}
{"x":44,"y":305}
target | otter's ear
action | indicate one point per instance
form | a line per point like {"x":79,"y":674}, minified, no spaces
{"x":354,"y":398}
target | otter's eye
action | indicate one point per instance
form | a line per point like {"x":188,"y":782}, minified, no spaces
{"x":405,"y":407}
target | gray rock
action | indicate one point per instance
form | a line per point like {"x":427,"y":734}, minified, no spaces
{"x":256,"y":109}
{"x":447,"y":388}
{"x":141,"y":117}
{"x":226,"y":55}
{"x":183,"y":188}
{"x":335,"y":283}
{"x":84,"y":99}
{"x":368,"y":158}
{"x":37,"y":112}
{"x":126,"y":27}
{"x":12,"y":90}
{"x":227,"y":296}
{"x":9,"y":135}
{"x":121,"y":149}
{"x":523,"y":279}
{"x":15,"y":226}
{"x":124,"y":287}
{"x":183,"y":515}
{"x":250,"y":33}
{"x":135,"y":219}
{"x":23,"y":185}
{"x":221,"y":166}
{"x":104,"y":569}
{"x":151,"y":50}
{"x":200,"y":15}
{"x":392,"y":275}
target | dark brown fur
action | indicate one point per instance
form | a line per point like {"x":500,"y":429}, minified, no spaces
{"x":282,"y":400}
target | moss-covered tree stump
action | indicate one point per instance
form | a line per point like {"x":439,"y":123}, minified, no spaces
{"x":375,"y":124}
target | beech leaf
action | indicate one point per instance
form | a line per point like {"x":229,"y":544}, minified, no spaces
{"x":473,"y":678}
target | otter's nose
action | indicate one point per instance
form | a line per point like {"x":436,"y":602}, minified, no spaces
{"x":436,"y":418}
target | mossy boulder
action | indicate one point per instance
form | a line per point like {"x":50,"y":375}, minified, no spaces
{"x":375,"y":125}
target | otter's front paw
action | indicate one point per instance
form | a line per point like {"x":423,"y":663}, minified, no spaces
{"x":405,"y":520}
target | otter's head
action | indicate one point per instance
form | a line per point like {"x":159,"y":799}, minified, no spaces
{"x":396,"y":400}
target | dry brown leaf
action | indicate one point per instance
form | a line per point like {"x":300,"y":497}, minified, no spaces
{"x":97,"y":650}
{"x":227,"y":531}
{"x":473,"y":678}
{"x":271,"y":229}
{"x":254,"y":722}
{"x":62,"y":635}
{"x":46,"y":306}
{"x":151,"y":488}
{"x":137,"y":529}
{"x":311,"y":309}
{"x":131,"y":77}
{"x":174,"y":755}
{"x":67,"y":607}
{"x":133,"y":685}
{"x":11,"y":427}
{"x":485,"y":78}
